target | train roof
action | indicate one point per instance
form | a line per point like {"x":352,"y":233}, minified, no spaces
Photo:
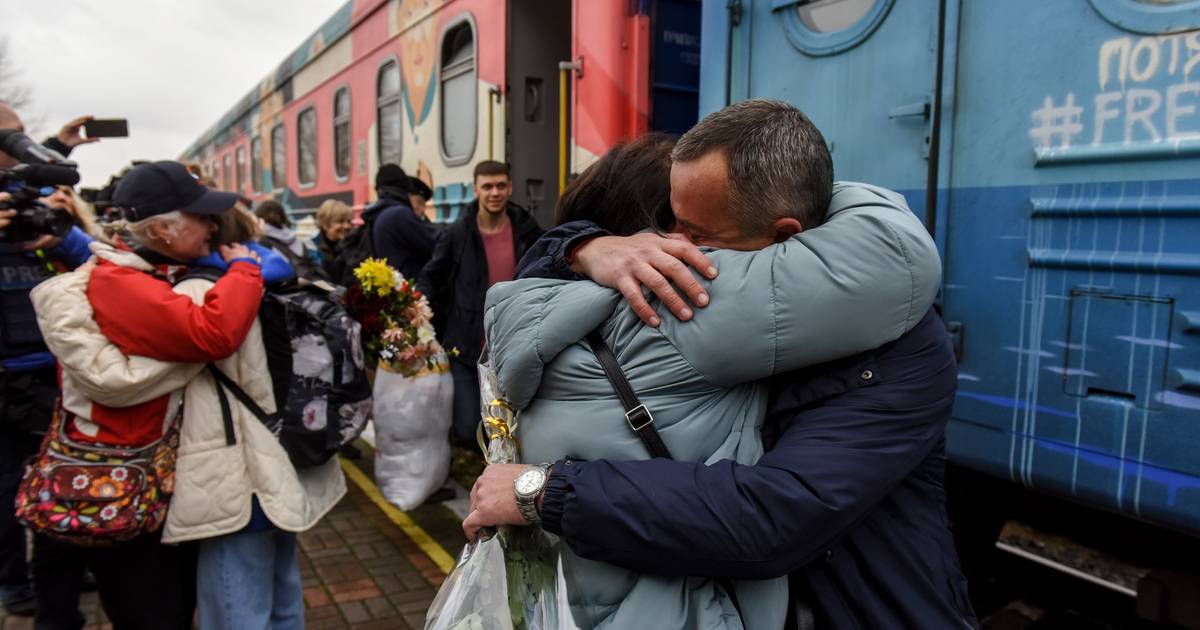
{"x":334,"y":28}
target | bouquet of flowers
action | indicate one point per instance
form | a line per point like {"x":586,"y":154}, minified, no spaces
{"x":511,"y":578}
{"x":413,"y":393}
{"x":397,"y":324}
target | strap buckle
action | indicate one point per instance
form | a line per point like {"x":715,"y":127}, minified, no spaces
{"x":639,"y":411}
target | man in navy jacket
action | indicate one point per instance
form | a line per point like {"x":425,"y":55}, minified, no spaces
{"x":848,"y":500}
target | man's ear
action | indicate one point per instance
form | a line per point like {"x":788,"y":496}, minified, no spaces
{"x":785,"y":228}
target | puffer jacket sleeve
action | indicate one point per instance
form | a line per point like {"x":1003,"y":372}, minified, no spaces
{"x":98,"y":368}
{"x":143,"y":316}
{"x":861,"y":279}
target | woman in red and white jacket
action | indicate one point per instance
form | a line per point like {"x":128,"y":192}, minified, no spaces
{"x":135,"y":348}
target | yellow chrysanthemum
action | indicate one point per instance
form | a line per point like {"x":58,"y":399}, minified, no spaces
{"x":376,"y":276}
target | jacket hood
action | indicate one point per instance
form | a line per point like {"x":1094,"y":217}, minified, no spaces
{"x":283,"y":235}
{"x":529,"y":322}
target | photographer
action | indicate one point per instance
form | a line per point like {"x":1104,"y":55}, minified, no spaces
{"x":28,"y":382}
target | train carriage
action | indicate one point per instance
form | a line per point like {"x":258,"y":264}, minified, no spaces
{"x":439,"y":85}
{"x":1053,"y":150}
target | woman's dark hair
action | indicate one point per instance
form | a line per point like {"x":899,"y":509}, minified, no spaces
{"x":627,"y":191}
{"x":273,"y":213}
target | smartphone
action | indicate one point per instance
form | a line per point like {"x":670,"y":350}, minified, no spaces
{"x":106,"y":128}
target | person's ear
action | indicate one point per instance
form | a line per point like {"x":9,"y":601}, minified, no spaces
{"x":785,"y":228}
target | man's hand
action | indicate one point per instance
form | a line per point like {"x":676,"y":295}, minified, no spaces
{"x":71,"y":135}
{"x":6,"y":216}
{"x":45,"y":241}
{"x":493,"y":500}
{"x":658,"y":262}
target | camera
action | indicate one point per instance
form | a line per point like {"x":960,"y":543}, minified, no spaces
{"x":26,"y":183}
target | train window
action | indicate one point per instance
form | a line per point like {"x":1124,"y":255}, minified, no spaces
{"x":1150,"y":17}
{"x":458,"y":93}
{"x":228,"y":172}
{"x":388,"y":113}
{"x":214,"y":171}
{"x":256,"y":170}
{"x":278,"y":157}
{"x":828,"y":27}
{"x":828,"y":16}
{"x":341,"y":133}
{"x":306,"y":143}
{"x":241,"y":169}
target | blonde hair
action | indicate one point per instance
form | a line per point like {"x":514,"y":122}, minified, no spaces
{"x":332,"y":211}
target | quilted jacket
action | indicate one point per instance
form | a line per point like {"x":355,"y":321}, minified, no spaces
{"x":214,"y":481}
{"x":862,"y":279}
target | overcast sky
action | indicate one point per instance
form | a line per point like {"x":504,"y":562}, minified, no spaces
{"x":172,"y":67}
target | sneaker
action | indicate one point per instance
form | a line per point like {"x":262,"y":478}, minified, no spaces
{"x":22,"y":607}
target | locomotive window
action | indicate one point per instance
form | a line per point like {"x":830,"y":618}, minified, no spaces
{"x":306,"y":143}
{"x":256,"y":171}
{"x":278,"y":157}
{"x":458,"y":94}
{"x":241,"y":169}
{"x":388,"y":112}
{"x":228,"y":172}
{"x":1150,"y":17}
{"x":828,"y":16}
{"x":214,"y":171}
{"x":341,"y":133}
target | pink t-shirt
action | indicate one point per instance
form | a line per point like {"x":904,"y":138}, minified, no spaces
{"x":501,"y":257}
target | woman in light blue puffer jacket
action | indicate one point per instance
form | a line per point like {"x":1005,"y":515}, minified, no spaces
{"x":861,"y":279}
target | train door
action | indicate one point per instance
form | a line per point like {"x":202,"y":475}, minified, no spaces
{"x":674,"y":64}
{"x":864,"y":71}
{"x":539,"y":37}
{"x":1072,"y":257}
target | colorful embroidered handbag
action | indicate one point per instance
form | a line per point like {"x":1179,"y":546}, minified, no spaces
{"x":95,"y":495}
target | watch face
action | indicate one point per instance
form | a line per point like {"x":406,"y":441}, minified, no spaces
{"x":529,"y":481}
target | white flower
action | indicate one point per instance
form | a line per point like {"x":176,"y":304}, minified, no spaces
{"x":79,"y":482}
{"x":315,"y":413}
{"x":425,"y":334}
{"x":109,"y":512}
{"x":120,"y":474}
{"x":311,"y":358}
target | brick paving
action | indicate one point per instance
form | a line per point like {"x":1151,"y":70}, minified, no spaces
{"x":358,"y":569}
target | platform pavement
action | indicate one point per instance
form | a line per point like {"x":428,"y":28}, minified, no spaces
{"x":360,"y":568}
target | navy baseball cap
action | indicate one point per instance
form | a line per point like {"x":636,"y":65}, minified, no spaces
{"x":156,"y":188}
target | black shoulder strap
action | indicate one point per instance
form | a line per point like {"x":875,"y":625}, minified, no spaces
{"x":226,"y":383}
{"x":637,"y":416}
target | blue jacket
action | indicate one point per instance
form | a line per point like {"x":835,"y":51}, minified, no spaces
{"x":848,"y":499}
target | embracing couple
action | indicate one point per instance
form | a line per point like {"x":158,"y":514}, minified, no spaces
{"x":802,"y":402}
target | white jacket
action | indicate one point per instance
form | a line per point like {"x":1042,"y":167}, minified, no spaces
{"x":214,"y":482}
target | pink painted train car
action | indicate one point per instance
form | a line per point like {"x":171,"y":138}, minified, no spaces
{"x":440,"y":85}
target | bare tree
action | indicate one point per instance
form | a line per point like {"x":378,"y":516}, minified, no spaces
{"x":15,"y":91}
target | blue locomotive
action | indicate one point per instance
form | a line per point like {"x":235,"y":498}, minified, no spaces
{"x":1053,"y":148}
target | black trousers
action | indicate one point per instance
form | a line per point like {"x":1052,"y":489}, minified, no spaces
{"x":26,"y":402}
{"x":466,"y":403}
{"x":143,"y":584}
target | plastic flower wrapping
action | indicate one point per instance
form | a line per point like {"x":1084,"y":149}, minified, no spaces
{"x":397,"y":324}
{"x":511,"y":578}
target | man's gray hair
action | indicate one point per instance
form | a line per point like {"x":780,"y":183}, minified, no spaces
{"x":779,"y":165}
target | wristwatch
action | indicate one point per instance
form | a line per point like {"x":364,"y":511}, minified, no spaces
{"x":528,"y":487}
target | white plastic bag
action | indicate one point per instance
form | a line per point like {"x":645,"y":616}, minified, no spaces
{"x":412,"y":425}
{"x":511,"y":578}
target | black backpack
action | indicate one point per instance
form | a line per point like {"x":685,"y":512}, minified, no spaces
{"x":315,"y":359}
{"x":304,"y":266}
{"x":358,"y":246}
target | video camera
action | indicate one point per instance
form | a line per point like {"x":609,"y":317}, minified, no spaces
{"x":41,"y":170}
